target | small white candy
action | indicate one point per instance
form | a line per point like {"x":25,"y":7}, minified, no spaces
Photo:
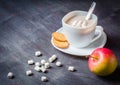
{"x":47,"y":65}
{"x":10,"y":75}
{"x":37,"y":64}
{"x":71,"y":68}
{"x":84,"y":24}
{"x":43,"y":61}
{"x":37,"y":68}
{"x":58,"y":64}
{"x":52,"y":58}
{"x":30,"y":62}
{"x":44,"y":78}
{"x":29,"y":73}
{"x":38,"y":53}
{"x":43,"y":69}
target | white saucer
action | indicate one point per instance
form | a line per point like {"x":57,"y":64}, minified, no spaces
{"x":83,"y":51}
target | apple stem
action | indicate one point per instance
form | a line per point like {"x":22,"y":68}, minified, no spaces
{"x":93,"y":57}
{"x":87,"y":56}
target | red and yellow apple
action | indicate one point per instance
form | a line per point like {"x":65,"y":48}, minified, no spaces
{"x":102,"y":62}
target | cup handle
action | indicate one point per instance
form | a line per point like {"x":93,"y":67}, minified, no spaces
{"x":99,"y":32}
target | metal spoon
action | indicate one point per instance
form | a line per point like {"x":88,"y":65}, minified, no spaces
{"x":89,"y":14}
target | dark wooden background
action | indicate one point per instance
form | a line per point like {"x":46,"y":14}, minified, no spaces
{"x":26,"y":26}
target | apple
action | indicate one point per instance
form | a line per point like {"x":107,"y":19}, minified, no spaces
{"x":102,"y":61}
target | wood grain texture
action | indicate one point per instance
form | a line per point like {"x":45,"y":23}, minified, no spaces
{"x":26,"y":26}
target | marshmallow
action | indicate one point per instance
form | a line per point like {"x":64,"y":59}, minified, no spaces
{"x":29,"y":73}
{"x":38,"y":53}
{"x":37,"y":68}
{"x":43,"y":69}
{"x":30,"y":62}
{"x":10,"y":75}
{"x":44,"y":78}
{"x":47,"y":65}
{"x":71,"y":68}
{"x":52,"y":58}
{"x":58,"y":64}
{"x":37,"y":64}
{"x":43,"y":61}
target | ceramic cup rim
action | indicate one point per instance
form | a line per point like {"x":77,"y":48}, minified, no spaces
{"x":73,"y":13}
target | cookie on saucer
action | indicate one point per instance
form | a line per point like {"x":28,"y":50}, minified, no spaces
{"x":60,"y":44}
{"x":59,"y":36}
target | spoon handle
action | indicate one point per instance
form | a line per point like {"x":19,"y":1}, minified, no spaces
{"x":90,"y":11}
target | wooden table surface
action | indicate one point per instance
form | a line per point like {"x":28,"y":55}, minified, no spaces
{"x":26,"y":26}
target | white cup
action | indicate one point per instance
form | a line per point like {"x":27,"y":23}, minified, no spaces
{"x":80,"y":37}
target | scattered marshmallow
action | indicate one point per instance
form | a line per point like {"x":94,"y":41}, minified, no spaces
{"x":44,"y":78}
{"x":10,"y":75}
{"x":43,"y":69}
{"x":38,"y":53}
{"x":29,"y":73}
{"x":37,"y":64}
{"x":71,"y":68}
{"x":30,"y":62}
{"x":47,"y":65}
{"x":43,"y":61}
{"x":37,"y":68}
{"x":58,"y":64}
{"x":52,"y":58}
